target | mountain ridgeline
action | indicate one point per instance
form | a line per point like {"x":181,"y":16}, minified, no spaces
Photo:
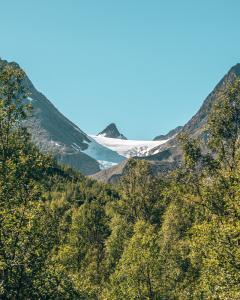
{"x":53,"y":133}
{"x":196,"y":126}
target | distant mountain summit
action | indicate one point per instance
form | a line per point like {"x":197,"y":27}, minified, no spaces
{"x":111,"y":131}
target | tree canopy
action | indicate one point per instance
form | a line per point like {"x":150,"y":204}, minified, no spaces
{"x":65,"y":236}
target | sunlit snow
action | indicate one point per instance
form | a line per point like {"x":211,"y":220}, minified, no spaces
{"x":128,"y":148}
{"x":102,"y":153}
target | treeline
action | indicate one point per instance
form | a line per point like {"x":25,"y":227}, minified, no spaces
{"x":65,"y":236}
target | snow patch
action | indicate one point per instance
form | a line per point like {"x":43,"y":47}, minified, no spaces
{"x":76,"y":147}
{"x":30,"y":99}
{"x":106,"y":164}
{"x":102,"y":153}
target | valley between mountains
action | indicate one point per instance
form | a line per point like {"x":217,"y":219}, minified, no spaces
{"x":165,"y":226}
{"x":104,"y":155}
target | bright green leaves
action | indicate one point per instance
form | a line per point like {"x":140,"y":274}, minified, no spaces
{"x":24,"y":220}
{"x":136,"y":273}
{"x":224,"y":125}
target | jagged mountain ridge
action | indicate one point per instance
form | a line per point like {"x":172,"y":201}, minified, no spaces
{"x":111,"y":131}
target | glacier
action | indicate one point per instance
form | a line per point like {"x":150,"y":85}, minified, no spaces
{"x":127,"y":148}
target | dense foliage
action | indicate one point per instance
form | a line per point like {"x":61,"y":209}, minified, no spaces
{"x":65,"y":236}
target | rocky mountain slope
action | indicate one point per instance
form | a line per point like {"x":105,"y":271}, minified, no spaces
{"x":169,"y":135}
{"x":52,"y":132}
{"x":111,"y":131}
{"x":196,"y":126}
{"x":168,"y":156}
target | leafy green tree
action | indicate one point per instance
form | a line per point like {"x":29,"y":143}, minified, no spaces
{"x":135,"y":276}
{"x":82,"y":256}
{"x":24,"y":219}
{"x":214,"y":236}
{"x":224,"y":126}
{"x":140,"y":193}
{"x":140,"y":198}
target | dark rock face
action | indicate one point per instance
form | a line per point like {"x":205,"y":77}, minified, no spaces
{"x":169,"y":135}
{"x":111,"y":131}
{"x":53,"y":133}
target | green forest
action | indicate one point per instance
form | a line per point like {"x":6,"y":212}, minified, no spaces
{"x":66,"y":236}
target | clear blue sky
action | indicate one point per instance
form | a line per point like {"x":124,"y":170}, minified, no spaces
{"x":146,"y":65}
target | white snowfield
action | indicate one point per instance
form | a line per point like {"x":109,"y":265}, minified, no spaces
{"x":128,"y":148}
